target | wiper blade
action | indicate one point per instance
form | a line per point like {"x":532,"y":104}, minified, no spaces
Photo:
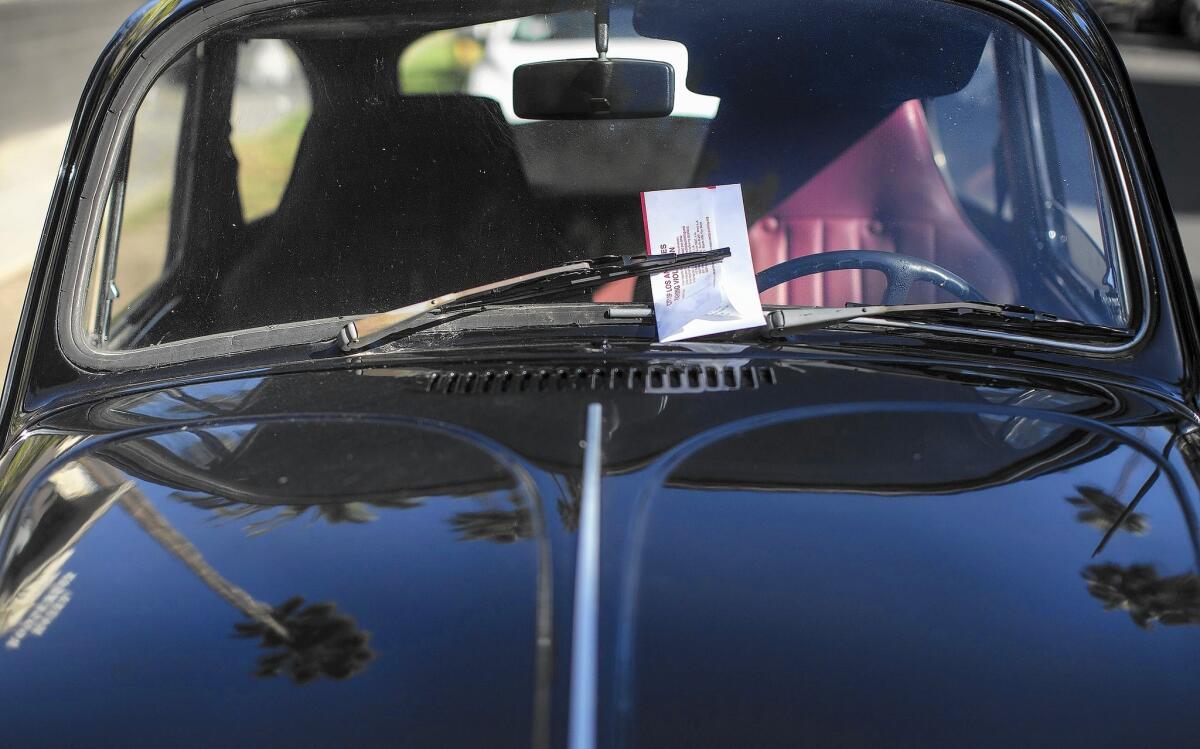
{"x":799,"y":319}
{"x":583,"y":274}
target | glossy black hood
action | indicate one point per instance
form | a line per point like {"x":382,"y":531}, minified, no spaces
{"x":803,"y":553}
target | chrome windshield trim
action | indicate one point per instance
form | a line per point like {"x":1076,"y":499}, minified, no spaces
{"x":100,"y":168}
{"x":584,"y":636}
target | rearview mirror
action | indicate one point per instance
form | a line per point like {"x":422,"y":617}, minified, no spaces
{"x":601,"y":89}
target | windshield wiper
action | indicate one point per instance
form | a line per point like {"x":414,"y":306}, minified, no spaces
{"x":984,"y":314}
{"x":572,"y":276}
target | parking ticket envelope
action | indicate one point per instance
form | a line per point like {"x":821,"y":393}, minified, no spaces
{"x":704,"y":299}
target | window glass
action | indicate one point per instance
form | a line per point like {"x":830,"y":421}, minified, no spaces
{"x":339,"y":160}
{"x":1068,"y":220}
{"x":270,"y":107}
{"x":963,"y":120}
{"x":1079,"y":201}
{"x":144,"y":218}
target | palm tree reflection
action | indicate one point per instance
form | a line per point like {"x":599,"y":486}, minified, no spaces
{"x":306,"y":641}
{"x":321,"y":641}
{"x":568,"y":513}
{"x":1137,"y":588}
{"x":160,"y":529}
{"x":1102,"y":511}
{"x":1147,"y":597}
{"x":267,"y":517}
{"x":497,"y":526}
{"x":569,"y":502}
{"x":503,"y":517}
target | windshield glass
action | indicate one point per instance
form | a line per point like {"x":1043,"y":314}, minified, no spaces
{"x":311,"y":165}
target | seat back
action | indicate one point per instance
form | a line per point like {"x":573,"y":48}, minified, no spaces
{"x":885,"y":192}
{"x":392,"y":199}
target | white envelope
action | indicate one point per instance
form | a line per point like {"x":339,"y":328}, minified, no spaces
{"x":704,"y":299}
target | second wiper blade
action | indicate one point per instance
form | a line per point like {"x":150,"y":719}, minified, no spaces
{"x":797,"y":320}
{"x":583,"y":274}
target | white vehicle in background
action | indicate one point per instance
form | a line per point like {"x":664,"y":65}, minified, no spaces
{"x":510,"y":44}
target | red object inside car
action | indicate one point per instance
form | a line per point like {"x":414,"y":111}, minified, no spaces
{"x":884,"y":193}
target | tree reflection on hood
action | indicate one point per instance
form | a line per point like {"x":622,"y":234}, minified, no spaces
{"x":321,"y":642}
{"x":1102,"y":510}
{"x":1147,"y":597}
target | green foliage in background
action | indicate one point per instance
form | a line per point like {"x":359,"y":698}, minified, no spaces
{"x":438,"y":63}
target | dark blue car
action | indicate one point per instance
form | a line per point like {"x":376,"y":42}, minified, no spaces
{"x":338,"y":413}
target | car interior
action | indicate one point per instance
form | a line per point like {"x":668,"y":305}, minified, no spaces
{"x":397,"y":197}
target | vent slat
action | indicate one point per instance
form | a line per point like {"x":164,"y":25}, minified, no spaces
{"x":688,"y":378}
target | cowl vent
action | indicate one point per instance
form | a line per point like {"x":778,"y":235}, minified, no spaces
{"x":654,"y":379}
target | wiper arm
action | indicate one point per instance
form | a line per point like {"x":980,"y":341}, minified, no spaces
{"x":583,"y":274}
{"x":796,"y":320}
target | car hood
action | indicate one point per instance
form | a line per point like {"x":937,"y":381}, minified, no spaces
{"x":851,"y":554}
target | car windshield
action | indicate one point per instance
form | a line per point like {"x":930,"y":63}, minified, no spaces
{"x":339,"y":159}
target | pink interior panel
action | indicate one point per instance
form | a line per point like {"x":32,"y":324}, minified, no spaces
{"x":883,"y":193}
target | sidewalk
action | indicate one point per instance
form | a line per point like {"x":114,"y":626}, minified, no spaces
{"x":12,"y":297}
{"x":28,"y":168}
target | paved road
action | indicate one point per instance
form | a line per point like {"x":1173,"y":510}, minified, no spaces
{"x":47,"y":49}
{"x":1166,"y":75}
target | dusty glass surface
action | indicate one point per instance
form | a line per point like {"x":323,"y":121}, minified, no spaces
{"x":313,"y":166}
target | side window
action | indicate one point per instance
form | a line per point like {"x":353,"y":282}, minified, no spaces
{"x":138,"y":211}
{"x":1075,"y":198}
{"x":1017,"y":157}
{"x":960,"y":123}
{"x":271,"y":106}
{"x":268,"y":106}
